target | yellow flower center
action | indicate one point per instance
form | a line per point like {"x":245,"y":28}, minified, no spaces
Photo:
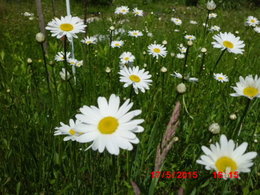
{"x":66,"y":27}
{"x":117,"y":44}
{"x":251,"y":91}
{"x":156,"y":50}
{"x":126,"y":58}
{"x":135,"y":78}
{"x":225,"y":162}
{"x":88,"y":42}
{"x":108,"y":125}
{"x":135,"y":33}
{"x":220,"y":78}
{"x":228,"y":44}
{"x":72,"y":132}
{"x":123,"y":10}
{"x":253,"y":20}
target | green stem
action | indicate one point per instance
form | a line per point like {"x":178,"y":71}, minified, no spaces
{"x":206,"y":23}
{"x":66,"y":75}
{"x":185,"y":61}
{"x":239,"y":126}
{"x":220,"y":56}
{"x":46,"y":69}
{"x":202,"y":63}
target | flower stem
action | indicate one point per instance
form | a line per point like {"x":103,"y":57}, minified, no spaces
{"x":46,"y":69}
{"x":239,"y":126}
{"x":220,"y":56}
{"x":206,"y":24}
{"x":185,"y":61}
{"x":202,"y":63}
{"x":66,"y":75}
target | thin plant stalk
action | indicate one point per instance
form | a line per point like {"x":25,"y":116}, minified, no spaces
{"x":202,"y":63}
{"x":66,"y":74}
{"x":46,"y":69}
{"x":185,"y":61}
{"x":206,"y":24}
{"x":218,"y":60}
{"x":239,"y":127}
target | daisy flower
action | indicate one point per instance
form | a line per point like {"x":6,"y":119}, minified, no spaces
{"x":117,"y":44}
{"x":214,"y":28}
{"x":252,"y":21}
{"x":60,"y":56}
{"x":89,"y":40}
{"x":229,"y":42}
{"x":177,"y":75}
{"x":138,"y":12}
{"x":248,"y":87}
{"x":138,"y":78}
{"x":212,"y":15}
{"x":135,"y":33}
{"x":220,"y":77}
{"x":75,"y":62}
{"x":157,"y":50}
{"x":66,"y":26}
{"x":126,"y":57}
{"x":225,"y":157}
{"x":176,"y":21}
{"x":68,"y":130}
{"x":109,"y":126}
{"x":122,"y":10}
{"x":190,"y":37}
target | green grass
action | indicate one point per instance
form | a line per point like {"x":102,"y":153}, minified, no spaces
{"x":33,"y":161}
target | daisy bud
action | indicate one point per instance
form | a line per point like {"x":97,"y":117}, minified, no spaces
{"x":190,"y":43}
{"x":164,"y":42}
{"x":111,"y":28}
{"x":108,"y":70}
{"x":236,"y":32}
{"x":233,"y":116}
{"x":203,"y":50}
{"x":163,"y":69}
{"x":172,"y":54}
{"x":145,"y":65}
{"x":40,"y":37}
{"x":181,"y":88}
{"x":211,"y":5}
{"x":29,"y":60}
{"x":8,"y":90}
{"x":255,"y":140}
{"x":175,"y":139}
{"x":144,"y":53}
{"x":214,"y":128}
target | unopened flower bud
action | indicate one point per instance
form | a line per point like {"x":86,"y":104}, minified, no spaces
{"x":108,"y":70}
{"x":164,"y":42}
{"x":211,"y":5}
{"x":175,"y":139}
{"x":40,"y":37}
{"x":112,"y":28}
{"x":203,"y":50}
{"x":163,"y":69}
{"x":190,"y":43}
{"x":214,"y":128}
{"x":29,"y":60}
{"x":233,"y":116}
{"x":181,"y":88}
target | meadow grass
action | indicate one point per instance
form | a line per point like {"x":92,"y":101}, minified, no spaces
{"x":33,"y":161}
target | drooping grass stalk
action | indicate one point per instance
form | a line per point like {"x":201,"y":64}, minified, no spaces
{"x":46,"y":69}
{"x":218,"y":60}
{"x":240,"y":124}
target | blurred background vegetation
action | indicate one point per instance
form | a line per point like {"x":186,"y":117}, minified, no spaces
{"x":226,"y":4}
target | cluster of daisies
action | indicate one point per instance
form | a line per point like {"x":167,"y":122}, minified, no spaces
{"x":111,"y":126}
{"x":123,"y":10}
{"x":253,"y":22}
